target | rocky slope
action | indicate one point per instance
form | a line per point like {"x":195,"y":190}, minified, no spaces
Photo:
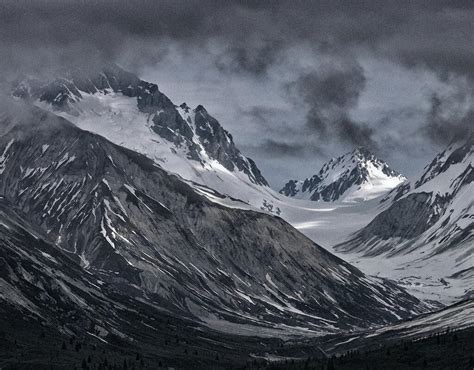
{"x":355,"y":176}
{"x":55,"y":312}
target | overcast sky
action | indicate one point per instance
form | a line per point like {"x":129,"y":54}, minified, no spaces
{"x":295,"y":82}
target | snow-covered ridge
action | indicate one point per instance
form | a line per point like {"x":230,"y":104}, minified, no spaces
{"x":355,"y":176}
{"x":135,"y":114}
{"x":425,"y":238}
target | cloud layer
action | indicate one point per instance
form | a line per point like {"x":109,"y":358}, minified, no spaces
{"x":294,"y":81}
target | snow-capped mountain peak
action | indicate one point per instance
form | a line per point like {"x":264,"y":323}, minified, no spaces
{"x":136,"y":114}
{"x":358,"y":175}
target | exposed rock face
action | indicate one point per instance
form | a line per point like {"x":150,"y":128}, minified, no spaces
{"x":131,"y":224}
{"x":358,"y":174}
{"x":220,"y":146}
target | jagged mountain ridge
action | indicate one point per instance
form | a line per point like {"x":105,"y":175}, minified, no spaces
{"x":127,"y":221}
{"x":114,"y":97}
{"x":432,"y":221}
{"x":357,"y":175}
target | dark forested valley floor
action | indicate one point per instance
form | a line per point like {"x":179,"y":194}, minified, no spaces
{"x":40,"y":348}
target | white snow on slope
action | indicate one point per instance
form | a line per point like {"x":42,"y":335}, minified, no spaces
{"x":117,"y":118}
{"x":4,"y":156}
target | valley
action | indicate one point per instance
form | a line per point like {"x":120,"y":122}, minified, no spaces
{"x":142,"y":221}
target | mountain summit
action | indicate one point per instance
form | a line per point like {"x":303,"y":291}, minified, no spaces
{"x":358,"y":175}
{"x":135,"y":114}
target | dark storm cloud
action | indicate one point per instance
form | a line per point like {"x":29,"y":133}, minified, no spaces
{"x":432,"y":34}
{"x":261,"y":115}
{"x":282,"y":137}
{"x":329,"y":94}
{"x":330,"y":88}
{"x":255,"y":59}
{"x":443,"y":125}
{"x":403,"y":29}
{"x":281,"y":148}
{"x":293,"y":148}
{"x":262,"y":40}
{"x":269,"y":118}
